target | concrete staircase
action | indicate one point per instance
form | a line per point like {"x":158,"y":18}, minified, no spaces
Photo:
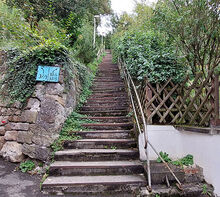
{"x":105,"y":162}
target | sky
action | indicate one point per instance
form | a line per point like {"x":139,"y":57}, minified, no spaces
{"x":119,"y":6}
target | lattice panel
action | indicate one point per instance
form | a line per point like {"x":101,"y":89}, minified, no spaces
{"x":190,"y":102}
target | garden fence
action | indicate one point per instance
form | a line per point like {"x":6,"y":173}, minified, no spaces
{"x":193,"y":102}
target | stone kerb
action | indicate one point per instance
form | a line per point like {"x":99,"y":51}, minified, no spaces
{"x":31,"y":131}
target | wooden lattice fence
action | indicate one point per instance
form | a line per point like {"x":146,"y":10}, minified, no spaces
{"x":190,"y":103}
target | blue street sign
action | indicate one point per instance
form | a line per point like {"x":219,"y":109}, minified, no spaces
{"x":48,"y":73}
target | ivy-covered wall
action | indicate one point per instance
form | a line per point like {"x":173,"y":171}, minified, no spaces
{"x":30,"y":130}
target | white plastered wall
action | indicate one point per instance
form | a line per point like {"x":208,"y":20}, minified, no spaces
{"x":204,"y":147}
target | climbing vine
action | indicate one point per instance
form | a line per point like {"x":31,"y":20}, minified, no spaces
{"x":20,"y":79}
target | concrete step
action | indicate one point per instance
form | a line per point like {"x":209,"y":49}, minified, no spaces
{"x":100,"y":144}
{"x":99,"y":185}
{"x":109,"y":126}
{"x":103,"y":108}
{"x":107,"y":88}
{"x":106,"y":104}
{"x":107,"y":80}
{"x":106,"y":94}
{"x":106,"y":91}
{"x":189,"y":190}
{"x":107,"y":134}
{"x":97,"y":155}
{"x":106,"y":113}
{"x":108,"y":77}
{"x":68,"y":168}
{"x":108,"y":83}
{"x":107,"y":99}
{"x":113,"y":119}
{"x":103,"y":74}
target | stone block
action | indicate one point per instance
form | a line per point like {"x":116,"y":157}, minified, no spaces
{"x":2,"y":130}
{"x":14,"y":118}
{"x":2,"y":141}
{"x":29,"y":116}
{"x":26,"y":116}
{"x":17,"y":105}
{"x":36,"y":152}
{"x":25,"y":137}
{"x":3,"y":104}
{"x":33,"y":104}
{"x":12,"y":151}
{"x":11,"y":135}
{"x":50,"y":112}
{"x":3,"y":120}
{"x":54,"y":89}
{"x":39,"y":91}
{"x":17,"y":112}
{"x":17,"y":126}
{"x":42,"y":136}
{"x":59,"y":99}
{"x":10,"y":112}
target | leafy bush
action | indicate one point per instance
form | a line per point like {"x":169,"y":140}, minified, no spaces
{"x":165,"y":157}
{"x":185,"y":161}
{"x":148,"y":54}
{"x":84,"y":50}
{"x":46,"y":45}
{"x":27,"y":166}
{"x":49,"y":31}
{"x":14,"y":30}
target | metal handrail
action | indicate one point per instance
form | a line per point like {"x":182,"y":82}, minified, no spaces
{"x":130,"y":84}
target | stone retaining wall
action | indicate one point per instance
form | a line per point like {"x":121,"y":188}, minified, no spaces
{"x":31,"y":131}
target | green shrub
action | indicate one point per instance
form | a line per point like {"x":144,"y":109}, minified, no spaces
{"x":84,"y":50}
{"x":185,"y":161}
{"x":27,"y":166}
{"x":49,"y":31}
{"x":149,"y":55}
{"x":15,"y":32}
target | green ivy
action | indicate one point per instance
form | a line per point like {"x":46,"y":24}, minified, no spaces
{"x":20,"y":79}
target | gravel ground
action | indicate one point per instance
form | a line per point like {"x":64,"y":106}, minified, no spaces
{"x":17,"y":184}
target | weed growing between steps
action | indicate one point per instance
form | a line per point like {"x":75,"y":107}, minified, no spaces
{"x":74,"y":121}
{"x":88,"y":81}
{"x":205,"y":190}
{"x":185,"y":161}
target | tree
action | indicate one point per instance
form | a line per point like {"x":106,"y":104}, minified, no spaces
{"x":195,"y":28}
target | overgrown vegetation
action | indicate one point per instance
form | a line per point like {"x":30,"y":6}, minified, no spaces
{"x":185,"y":161}
{"x":41,"y":34}
{"x":73,"y":123}
{"x":169,"y":40}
